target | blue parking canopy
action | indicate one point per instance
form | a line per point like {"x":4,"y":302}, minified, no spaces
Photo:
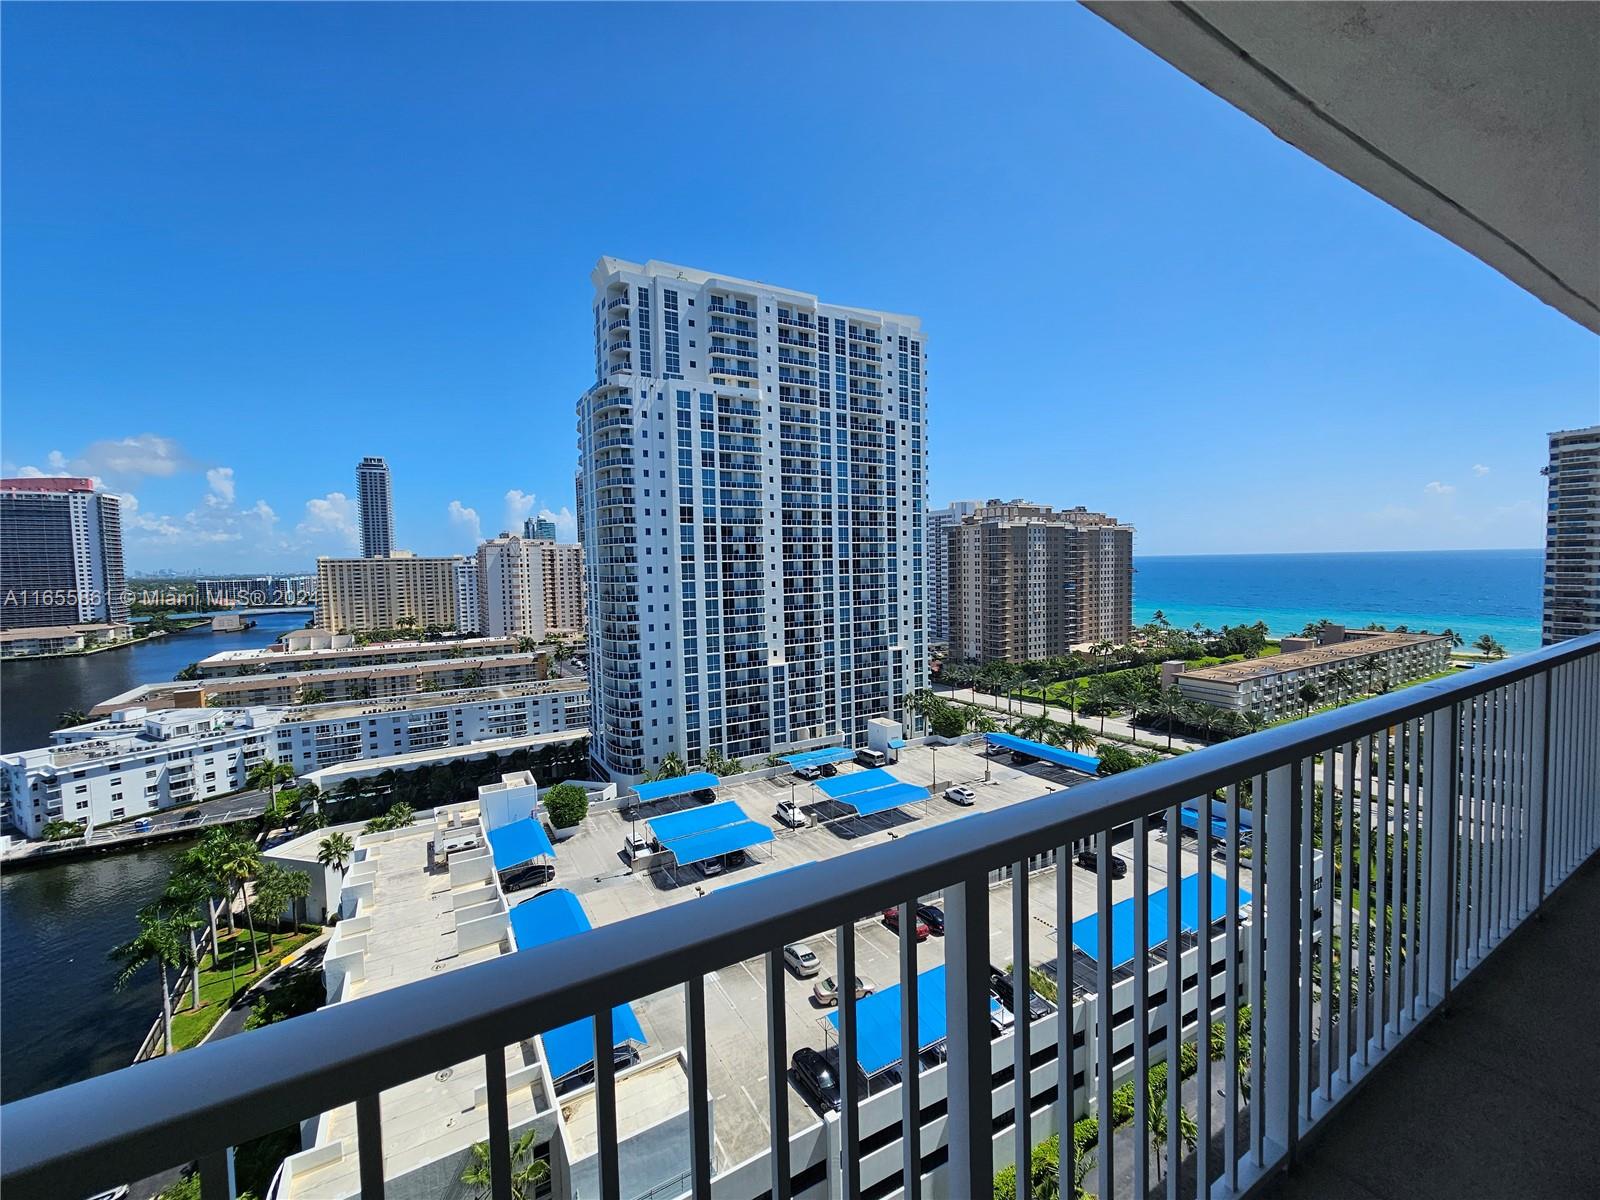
{"x":1086,"y":933}
{"x":878,"y":1025}
{"x":876,"y":800}
{"x":665,"y":789}
{"x":670,"y":826}
{"x":1046,"y":752}
{"x":714,"y":843}
{"x":897,"y":743}
{"x":817,"y":758}
{"x":571,"y":1047}
{"x":1191,"y":820}
{"x":856,"y":781}
{"x":549,"y":917}
{"x":519,"y":842}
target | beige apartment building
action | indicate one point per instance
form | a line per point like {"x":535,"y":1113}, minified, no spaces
{"x":527,"y":587}
{"x":356,"y":595}
{"x":1026,"y":581}
{"x":1271,"y":686}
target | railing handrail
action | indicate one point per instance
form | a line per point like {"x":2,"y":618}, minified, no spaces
{"x":137,"y":1121}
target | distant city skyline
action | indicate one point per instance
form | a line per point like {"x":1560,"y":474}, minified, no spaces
{"x":1153,"y":307}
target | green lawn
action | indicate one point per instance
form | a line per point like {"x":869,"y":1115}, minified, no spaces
{"x":218,"y":986}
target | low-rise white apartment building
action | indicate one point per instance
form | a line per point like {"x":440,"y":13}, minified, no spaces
{"x":136,"y":762}
{"x":303,"y":651}
{"x":1271,"y":686}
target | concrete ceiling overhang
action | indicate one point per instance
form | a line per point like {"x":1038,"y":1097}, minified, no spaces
{"x":1482,"y":121}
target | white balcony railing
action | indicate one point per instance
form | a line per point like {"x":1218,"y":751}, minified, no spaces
{"x":1452,"y":808}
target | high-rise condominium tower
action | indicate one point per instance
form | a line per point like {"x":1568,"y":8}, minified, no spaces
{"x":1027,"y":581}
{"x":936,"y":552}
{"x":752,"y":476}
{"x":1572,"y":535}
{"x":541,"y":529}
{"x":60,"y":554}
{"x":377,"y":508}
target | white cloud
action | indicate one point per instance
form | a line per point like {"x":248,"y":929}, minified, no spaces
{"x":466,"y":520}
{"x":1479,"y":470}
{"x":331,"y":524}
{"x":566,"y":524}
{"x":519,"y":506}
{"x":222,"y":487}
{"x":1439,"y":489}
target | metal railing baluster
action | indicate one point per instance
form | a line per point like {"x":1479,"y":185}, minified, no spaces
{"x":1305,"y":879}
{"x":494,"y":1073}
{"x":700,"y":1148}
{"x":216,"y":1176}
{"x":1363,"y":961}
{"x":1413,"y":864}
{"x":1441,"y":830}
{"x":1330,"y":977}
{"x":777,"y":1074}
{"x":849,"y":1065}
{"x":968,"y":1070}
{"x":910,"y":1058}
{"x":1347,"y":899}
{"x":1066,"y":1004}
{"x":1174,"y":1038}
{"x":1141,"y":1006}
{"x":369,"y":1145}
{"x":605,"y":1104}
{"x":1279,"y":1039}
{"x":1021,"y":992}
{"x":1103,"y":1006}
{"x":1203,"y":1008}
{"x":1259,"y":855}
{"x":1379,"y":903}
{"x":1230,"y":1100}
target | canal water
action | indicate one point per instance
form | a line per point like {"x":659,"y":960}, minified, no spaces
{"x":61,"y":1018}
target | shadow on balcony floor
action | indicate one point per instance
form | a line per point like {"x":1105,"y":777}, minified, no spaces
{"x":1495,"y":1099}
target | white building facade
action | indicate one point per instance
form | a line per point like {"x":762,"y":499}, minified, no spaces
{"x":753,"y":491}
{"x":1572,"y":535}
{"x":511,"y":587}
{"x":937,"y":569}
{"x":140,"y":762}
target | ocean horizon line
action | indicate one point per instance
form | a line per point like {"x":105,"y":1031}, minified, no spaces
{"x":1343,"y":553}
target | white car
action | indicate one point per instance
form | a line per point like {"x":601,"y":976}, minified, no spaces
{"x":636,"y":845}
{"x":963,"y":796}
{"x":789,"y":813}
{"x":802,"y":960}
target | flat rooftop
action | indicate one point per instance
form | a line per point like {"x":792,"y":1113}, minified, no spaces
{"x":328,"y":778}
{"x":373,"y":649}
{"x":340,"y":709}
{"x":1279,"y":664}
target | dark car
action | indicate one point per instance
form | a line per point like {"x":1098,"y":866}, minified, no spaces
{"x":828,"y":770}
{"x":622,"y":1057}
{"x":1022,"y":758}
{"x":1090,"y":861}
{"x":1000,"y":987}
{"x":817,"y":1073}
{"x":705,"y":795}
{"x":932,"y":916}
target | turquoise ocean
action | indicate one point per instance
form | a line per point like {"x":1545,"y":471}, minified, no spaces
{"x":1471,"y":591}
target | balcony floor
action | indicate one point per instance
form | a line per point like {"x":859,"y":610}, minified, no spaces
{"x":1495,"y":1098}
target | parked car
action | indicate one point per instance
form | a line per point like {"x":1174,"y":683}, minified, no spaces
{"x":1000,"y":988}
{"x":933,"y":917}
{"x":1021,"y":758}
{"x":1090,"y":861}
{"x":934,"y":1054}
{"x":712,"y":866}
{"x":963,"y":796}
{"x":826,"y":990}
{"x":891,"y":918}
{"x":828,"y":770}
{"x":1000,"y":1018}
{"x":622,"y":1057}
{"x":143,"y":825}
{"x":871,"y":758}
{"x":802,"y":960}
{"x":809,"y":774}
{"x":817,"y":1073}
{"x":635,"y":845}
{"x":705,"y":795}
{"x":789,"y":813}
{"x":189,"y":818}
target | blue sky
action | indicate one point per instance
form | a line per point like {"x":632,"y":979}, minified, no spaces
{"x":245,"y":245}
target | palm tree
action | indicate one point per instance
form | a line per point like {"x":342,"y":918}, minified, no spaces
{"x":160,"y":940}
{"x":1489,"y":646}
{"x":1310,"y":693}
{"x":526,"y":1172}
{"x":1343,"y":680}
{"x":336,"y":850}
{"x":1253,"y":720}
{"x":186,"y":893}
{"x":1038,"y":728}
{"x":73,"y":716}
{"x":269,"y":774}
{"x":1456,"y":640}
{"x":242,"y":863}
{"x":1099,"y":693}
{"x":1169,"y":706}
{"x":1075,"y":736}
{"x":978,"y":720}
